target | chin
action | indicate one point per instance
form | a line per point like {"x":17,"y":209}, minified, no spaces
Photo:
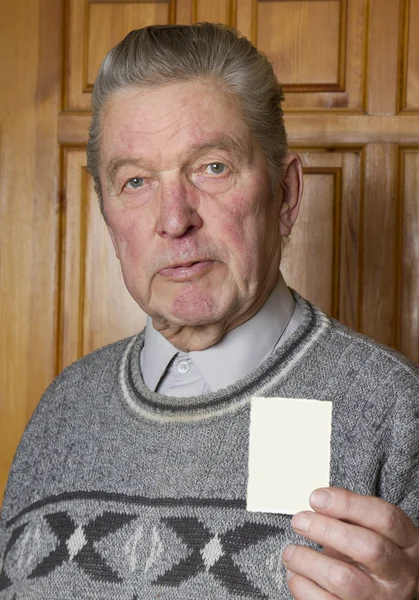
{"x":195,"y":316}
{"x":192,"y":319}
{"x":194,"y":307}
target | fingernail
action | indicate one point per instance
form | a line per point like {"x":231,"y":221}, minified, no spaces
{"x":288,"y":552}
{"x":320,"y":499}
{"x":301,"y":521}
{"x":290,"y":574}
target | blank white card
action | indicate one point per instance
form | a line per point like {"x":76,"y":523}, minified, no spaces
{"x":289,"y":453}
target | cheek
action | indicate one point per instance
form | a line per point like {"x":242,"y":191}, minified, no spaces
{"x":239,"y":223}
{"x":127,"y":234}
{"x":134,"y":260}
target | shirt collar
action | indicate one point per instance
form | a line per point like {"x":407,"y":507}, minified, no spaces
{"x":238,"y":353}
{"x":155,"y":355}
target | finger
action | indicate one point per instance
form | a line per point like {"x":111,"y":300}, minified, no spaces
{"x":367,"y":548}
{"x":343,"y":557}
{"x":335,"y":577}
{"x":372,"y":513}
{"x":304,"y":589}
{"x":335,"y":554}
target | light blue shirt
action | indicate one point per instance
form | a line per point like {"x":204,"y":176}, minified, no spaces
{"x":172,"y":372}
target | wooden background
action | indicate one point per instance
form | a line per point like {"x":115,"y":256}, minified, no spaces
{"x":351,"y":74}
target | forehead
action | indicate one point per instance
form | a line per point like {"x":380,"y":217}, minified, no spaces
{"x":169,"y":118}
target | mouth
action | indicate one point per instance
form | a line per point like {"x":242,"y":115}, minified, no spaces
{"x":186,"y":270}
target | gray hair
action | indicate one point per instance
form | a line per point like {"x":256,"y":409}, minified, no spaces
{"x":160,"y":54}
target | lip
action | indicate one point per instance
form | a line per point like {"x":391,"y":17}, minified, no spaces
{"x":186,"y":270}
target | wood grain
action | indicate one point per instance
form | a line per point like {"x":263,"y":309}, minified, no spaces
{"x":380,"y":260}
{"x":313,"y":245}
{"x":323,"y":65}
{"x":92,"y":30}
{"x":383,"y":59}
{"x":217,"y":11}
{"x":311,"y":59}
{"x":410,"y":83}
{"x":29,"y":205}
{"x":409,"y":192}
{"x":107,"y":24}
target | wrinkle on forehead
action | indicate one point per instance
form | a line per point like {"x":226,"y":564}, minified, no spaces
{"x":160,"y":105}
{"x":169,"y":104}
{"x":168,"y":132}
{"x":147,"y":125}
{"x":168,"y":120}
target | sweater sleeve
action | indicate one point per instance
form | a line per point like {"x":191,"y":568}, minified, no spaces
{"x":400,"y":474}
{"x":399,"y":481}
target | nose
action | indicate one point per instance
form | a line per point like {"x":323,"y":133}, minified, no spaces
{"x":177,"y":208}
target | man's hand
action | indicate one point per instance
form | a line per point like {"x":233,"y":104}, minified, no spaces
{"x":370,"y":550}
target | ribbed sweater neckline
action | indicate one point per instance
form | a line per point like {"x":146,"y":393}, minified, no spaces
{"x":146,"y":404}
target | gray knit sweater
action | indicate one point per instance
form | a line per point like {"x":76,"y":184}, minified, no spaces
{"x":117,"y":492}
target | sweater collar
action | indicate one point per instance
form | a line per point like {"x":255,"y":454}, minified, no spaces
{"x":265,"y":380}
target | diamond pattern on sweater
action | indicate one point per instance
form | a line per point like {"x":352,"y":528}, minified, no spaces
{"x":213,"y":553}
{"x":142,"y":550}
{"x":77,"y":544}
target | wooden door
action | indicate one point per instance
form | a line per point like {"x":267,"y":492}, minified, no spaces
{"x":351,"y":76}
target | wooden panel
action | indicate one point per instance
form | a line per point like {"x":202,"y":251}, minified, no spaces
{"x":29,"y":95}
{"x":349,"y":289}
{"x":410,"y":84}
{"x":317,"y":48}
{"x":93,"y":29}
{"x":314,"y":64}
{"x":311,"y":261}
{"x":216,"y":11}
{"x":409,"y":323}
{"x":383,"y":56}
{"x":184,"y":12}
{"x":322,"y":259}
{"x":97,"y":308}
{"x":380,"y":248}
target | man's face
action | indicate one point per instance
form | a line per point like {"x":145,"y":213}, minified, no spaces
{"x":188,"y":202}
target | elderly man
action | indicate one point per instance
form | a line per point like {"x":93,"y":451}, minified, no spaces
{"x":130,"y":480}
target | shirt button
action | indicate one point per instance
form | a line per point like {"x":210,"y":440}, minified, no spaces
{"x":183,"y":366}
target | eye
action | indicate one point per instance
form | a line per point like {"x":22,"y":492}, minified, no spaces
{"x":216,"y":168}
{"x":135,"y":183}
{"x":214,"y":177}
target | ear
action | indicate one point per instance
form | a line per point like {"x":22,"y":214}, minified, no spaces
{"x":292,"y":190}
{"x":115,"y":245}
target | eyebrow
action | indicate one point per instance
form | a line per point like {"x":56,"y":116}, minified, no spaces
{"x":116,"y":163}
{"x":225,"y":143}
